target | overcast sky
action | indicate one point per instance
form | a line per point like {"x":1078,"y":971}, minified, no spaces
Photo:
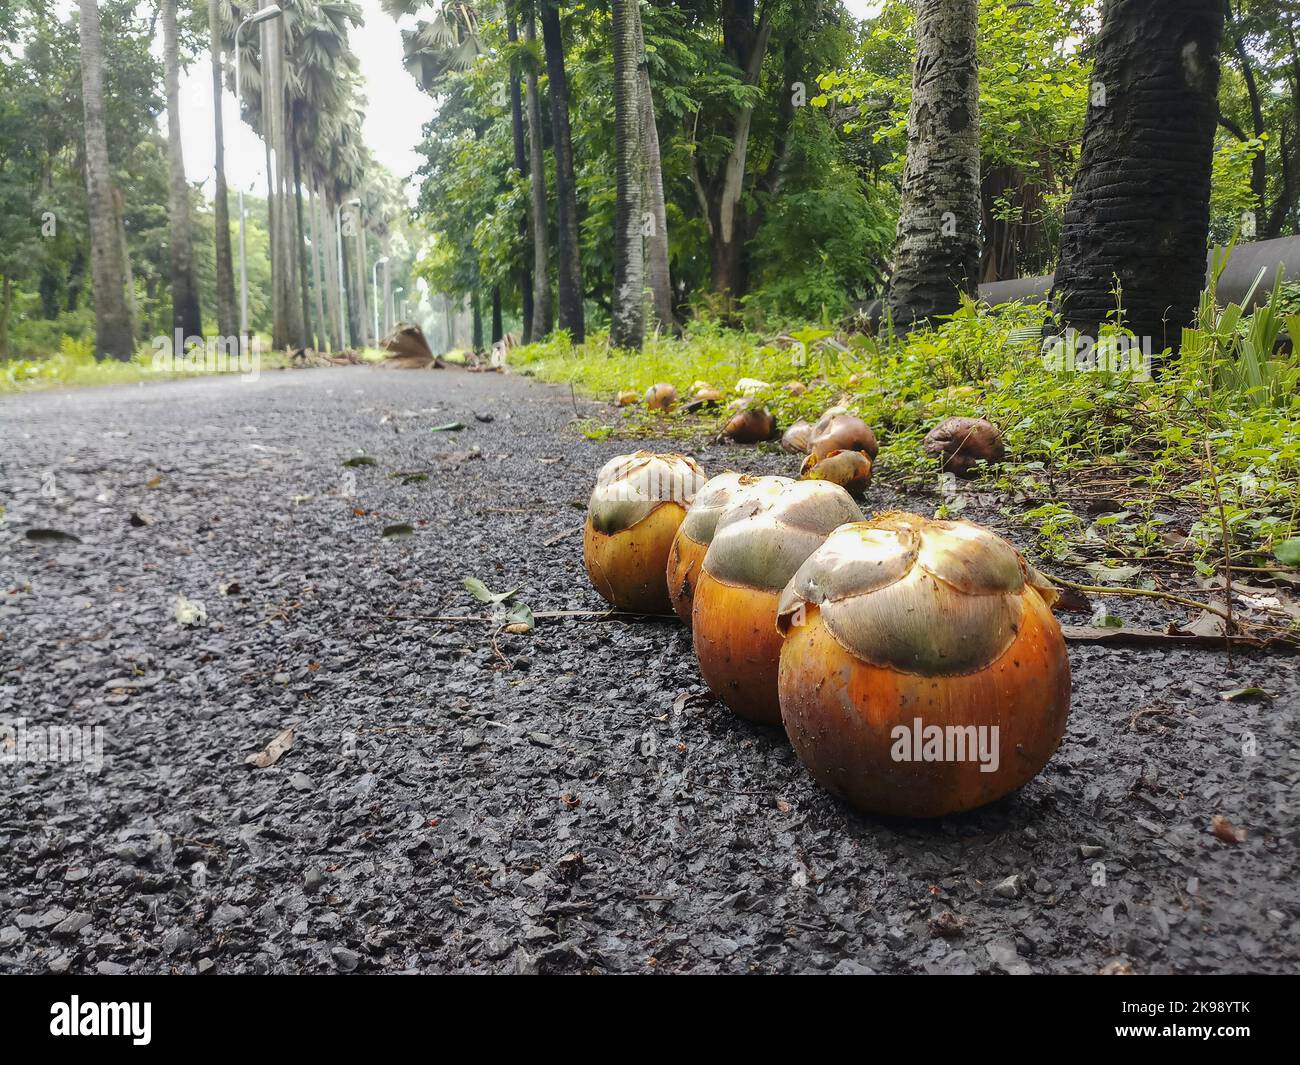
{"x":396,"y":109}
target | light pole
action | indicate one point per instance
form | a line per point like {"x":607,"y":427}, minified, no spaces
{"x":343,"y":285}
{"x":374,"y":287}
{"x":269,"y":12}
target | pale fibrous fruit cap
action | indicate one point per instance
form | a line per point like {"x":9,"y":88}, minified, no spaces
{"x":629,"y":488}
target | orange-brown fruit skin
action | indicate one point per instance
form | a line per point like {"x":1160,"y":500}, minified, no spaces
{"x":844,"y":432}
{"x":628,"y":568}
{"x":740,"y":656}
{"x":839,"y":712}
{"x":685,"y":563}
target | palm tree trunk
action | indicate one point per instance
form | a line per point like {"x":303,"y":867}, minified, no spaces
{"x":521,"y":168}
{"x":543,"y":319}
{"x":566,"y":188}
{"x":301,"y":244}
{"x":313,"y":219}
{"x":1139,"y":215}
{"x":476,"y":310}
{"x":498,"y":327}
{"x":329,"y":253}
{"x":658,"y":273}
{"x":185,"y":293}
{"x":627,"y":318}
{"x":227,"y":309}
{"x":937,"y":253}
{"x":746,"y":45}
{"x":114,"y":328}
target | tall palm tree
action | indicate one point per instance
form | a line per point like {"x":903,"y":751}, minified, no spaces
{"x":566,"y":186}
{"x":936,"y":256}
{"x":1138,"y":219}
{"x":658,"y":273}
{"x":185,"y":292}
{"x":227,"y":312}
{"x":627,"y":317}
{"x":521,"y":168}
{"x":543,"y":319}
{"x":114,"y":327}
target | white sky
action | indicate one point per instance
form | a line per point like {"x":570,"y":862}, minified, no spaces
{"x":396,"y":110}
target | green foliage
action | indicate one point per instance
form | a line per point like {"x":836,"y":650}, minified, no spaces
{"x":1064,"y":430}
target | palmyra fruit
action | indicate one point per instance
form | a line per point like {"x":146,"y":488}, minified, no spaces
{"x":627,"y":399}
{"x":842,"y":431}
{"x":758,"y":543}
{"x":638,"y":503}
{"x":851,"y":470}
{"x":696,"y":532}
{"x":959,"y":443}
{"x":750,"y":426}
{"x":796,"y":388}
{"x":798,"y":438}
{"x":661,"y":397}
{"x":748,"y":386}
{"x":922,"y":671}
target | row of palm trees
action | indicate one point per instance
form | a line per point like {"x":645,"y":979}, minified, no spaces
{"x":299,"y":89}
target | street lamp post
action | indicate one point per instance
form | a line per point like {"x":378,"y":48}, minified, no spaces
{"x":374,"y":288}
{"x":269,"y":12}
{"x":343,"y":285}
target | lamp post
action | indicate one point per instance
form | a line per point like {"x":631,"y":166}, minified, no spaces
{"x":343,"y":285}
{"x":269,"y":12}
{"x":374,"y":288}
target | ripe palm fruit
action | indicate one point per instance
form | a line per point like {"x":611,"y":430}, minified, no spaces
{"x":797,"y":439}
{"x":638,"y":503}
{"x":627,"y":399}
{"x":696,"y":532}
{"x":758,"y":543}
{"x":752,"y":425}
{"x":842,"y":431}
{"x":661,"y":398}
{"x":959,"y":443}
{"x":851,"y":470}
{"x":922,"y":671}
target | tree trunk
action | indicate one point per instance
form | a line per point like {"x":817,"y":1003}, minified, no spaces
{"x":746,"y":45}
{"x":1140,"y":212}
{"x":361,"y":289}
{"x":566,"y":188}
{"x":543,"y":318}
{"x":658,"y":272}
{"x":185,"y":293}
{"x":627,"y":318}
{"x":227,"y":308}
{"x":329,"y":254}
{"x":313,"y":217}
{"x":301,"y":245}
{"x":6,"y":311}
{"x":476,"y":309}
{"x":114,"y":329}
{"x":521,"y":168}
{"x":498,"y":327}
{"x":937,"y":252}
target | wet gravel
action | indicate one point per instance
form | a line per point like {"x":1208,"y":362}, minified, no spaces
{"x":569,"y":800}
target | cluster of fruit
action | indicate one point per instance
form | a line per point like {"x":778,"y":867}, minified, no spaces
{"x":915,"y":664}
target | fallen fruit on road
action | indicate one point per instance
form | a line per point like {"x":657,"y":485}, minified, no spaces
{"x":634,"y":512}
{"x":758,"y":543}
{"x":923,"y":672}
{"x":851,"y":470}
{"x":696,"y":532}
{"x":959,"y":443}
{"x":661,"y":397}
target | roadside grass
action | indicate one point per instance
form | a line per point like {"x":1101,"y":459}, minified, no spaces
{"x":1105,"y":467}
{"x":74,"y":365}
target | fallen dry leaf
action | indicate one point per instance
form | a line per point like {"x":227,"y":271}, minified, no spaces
{"x":273,"y":752}
{"x":1226,"y":831}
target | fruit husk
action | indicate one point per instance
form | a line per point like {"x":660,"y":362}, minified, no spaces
{"x":661,"y":397}
{"x":851,"y":470}
{"x":750,"y":426}
{"x":904,"y":618}
{"x":696,"y":532}
{"x":844,"y":432}
{"x":627,"y":567}
{"x":758,"y":543}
